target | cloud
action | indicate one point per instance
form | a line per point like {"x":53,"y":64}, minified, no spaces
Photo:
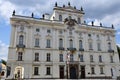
{"x":3,"y":50}
{"x":118,"y":45}
{"x":118,"y":33}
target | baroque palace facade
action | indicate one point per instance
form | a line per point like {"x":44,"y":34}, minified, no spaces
{"x":61,"y":46}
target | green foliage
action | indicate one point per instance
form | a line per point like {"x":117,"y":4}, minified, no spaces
{"x":3,"y":61}
{"x":118,"y":49}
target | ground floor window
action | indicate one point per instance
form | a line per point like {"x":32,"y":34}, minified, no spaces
{"x":36,"y":70}
{"x":92,"y":70}
{"x":48,"y":71}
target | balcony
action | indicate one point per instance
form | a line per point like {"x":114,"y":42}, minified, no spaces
{"x":61,"y":48}
{"x":71,"y":49}
{"x":81,"y":49}
{"x":111,"y":51}
{"x":20,"y":46}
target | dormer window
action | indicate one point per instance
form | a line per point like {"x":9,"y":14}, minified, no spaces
{"x":79,"y":21}
{"x":60,"y":17}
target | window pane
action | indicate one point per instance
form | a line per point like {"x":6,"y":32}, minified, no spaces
{"x":79,"y":21}
{"x":48,"y":56}
{"x":81,"y":58}
{"x":92,"y":70}
{"x":90,"y":46}
{"x":101,"y":70}
{"x":36,"y":56}
{"x":71,"y":43}
{"x":61,"y":57}
{"x":21,"y":39}
{"x":99,"y":46}
{"x":48,"y":43}
{"x":48,"y":71}
{"x":36,"y":69}
{"x":60,"y":17}
{"x":20,"y":56}
{"x":36,"y":42}
{"x":91,"y":58}
{"x":100,"y":58}
{"x":60,"y":43}
{"x":109,"y":46}
{"x":71,"y":57}
{"x":48,"y":31}
{"x":80,"y":44}
{"x":37,"y":30}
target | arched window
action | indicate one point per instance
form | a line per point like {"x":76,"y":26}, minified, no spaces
{"x":21,"y":37}
{"x":71,"y":43}
{"x":60,"y":17}
{"x":80,"y":44}
{"x":109,"y":46}
{"x":60,"y":43}
{"x":79,"y":21}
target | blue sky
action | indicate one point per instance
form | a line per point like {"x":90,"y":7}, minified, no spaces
{"x":105,"y":11}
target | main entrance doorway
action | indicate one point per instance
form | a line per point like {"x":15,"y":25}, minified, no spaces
{"x":73,"y":71}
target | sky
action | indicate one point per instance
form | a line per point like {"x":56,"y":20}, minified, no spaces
{"x":105,"y":11}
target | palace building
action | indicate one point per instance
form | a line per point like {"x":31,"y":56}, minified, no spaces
{"x":61,"y":45}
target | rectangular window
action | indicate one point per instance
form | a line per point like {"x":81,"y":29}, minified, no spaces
{"x":81,"y":58}
{"x":37,"y":30}
{"x":60,"y":43}
{"x":36,"y":42}
{"x":80,"y":44}
{"x":60,"y":17}
{"x":91,"y":58}
{"x":20,"y":54}
{"x":48,"y":31}
{"x":71,"y":57}
{"x":90,"y":46}
{"x":79,"y":21}
{"x":36,"y":70}
{"x":48,"y":43}
{"x":111,"y":59}
{"x":92,"y":70}
{"x":101,"y":70}
{"x":48,"y":71}
{"x":36,"y":56}
{"x":61,"y":57}
{"x":48,"y":56}
{"x":71,"y":43}
{"x":100,"y":58}
{"x":99,"y":46}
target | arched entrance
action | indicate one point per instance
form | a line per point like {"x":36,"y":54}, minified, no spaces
{"x":19,"y":72}
{"x":73,"y":74}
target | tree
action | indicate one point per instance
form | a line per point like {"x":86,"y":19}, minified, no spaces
{"x":118,"y":49}
{"x":3,"y":61}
